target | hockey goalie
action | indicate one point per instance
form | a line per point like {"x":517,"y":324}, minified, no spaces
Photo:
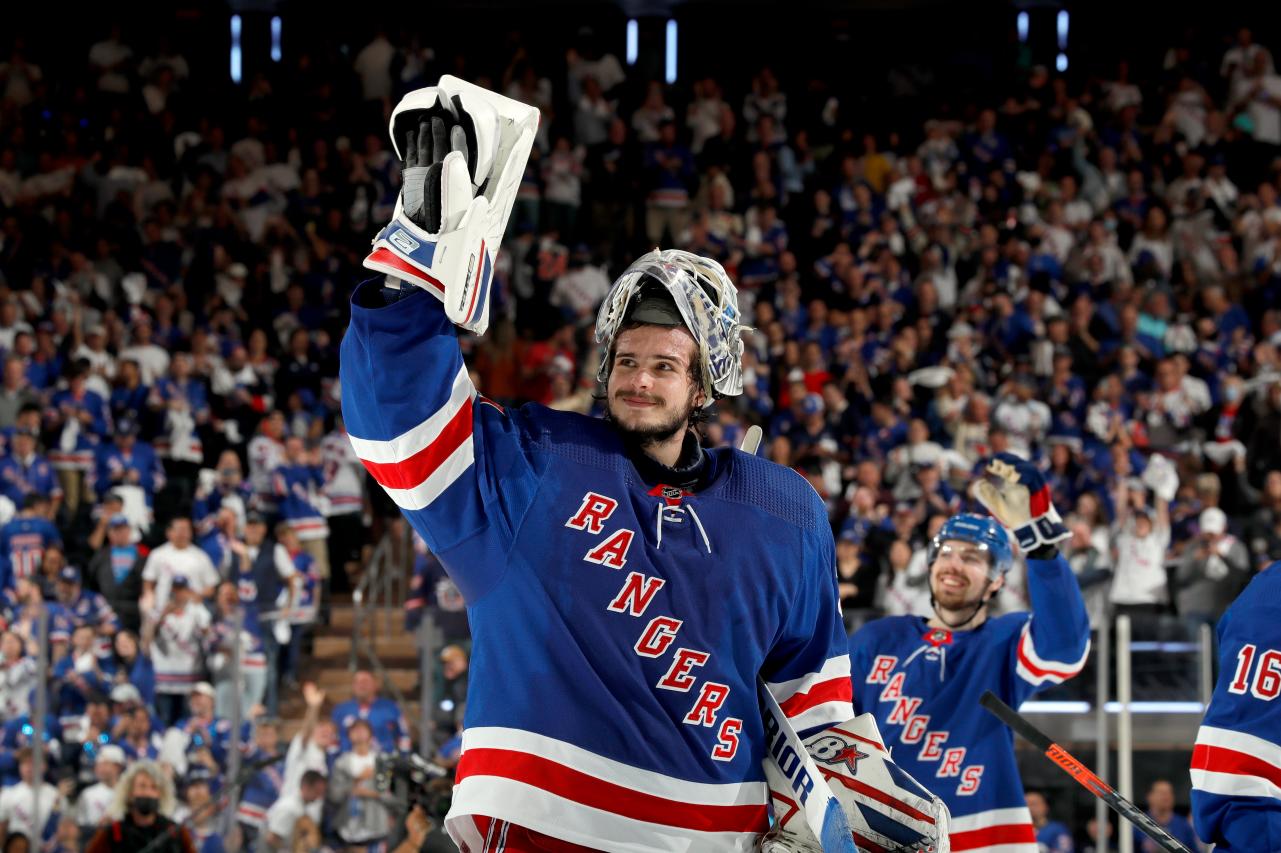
{"x":627,"y":588}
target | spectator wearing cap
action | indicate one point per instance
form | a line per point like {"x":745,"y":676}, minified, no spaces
{"x":24,"y":538}
{"x":297,"y":482}
{"x":135,"y":679}
{"x":384,"y":717}
{"x":116,"y":570}
{"x":199,"y":811}
{"x":1211,"y":572}
{"x":75,"y":677}
{"x":80,"y":421}
{"x":200,"y":738}
{"x":94,"y":802}
{"x":86,"y":607}
{"x":128,"y":462}
{"x":174,"y":635}
{"x":178,"y":557}
{"x":17,"y":676}
{"x":25,"y":470}
{"x":30,"y":807}
{"x":15,"y":391}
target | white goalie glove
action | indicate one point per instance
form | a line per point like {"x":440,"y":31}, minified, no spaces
{"x":886,"y":809}
{"x":463,"y":150}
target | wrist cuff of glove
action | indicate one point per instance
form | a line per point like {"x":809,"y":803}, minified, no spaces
{"x":1044,"y":552}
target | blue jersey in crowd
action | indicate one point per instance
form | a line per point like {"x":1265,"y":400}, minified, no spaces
{"x":22,"y":544}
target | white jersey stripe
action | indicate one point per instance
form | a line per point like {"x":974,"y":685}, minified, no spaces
{"x":414,"y":440}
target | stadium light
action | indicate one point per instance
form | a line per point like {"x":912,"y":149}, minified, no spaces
{"x":1063,"y":29}
{"x":1022,"y":19}
{"x":235,"y":49}
{"x":275,"y":39}
{"x":671,"y":50}
{"x":633,"y":41}
{"x":1061,"y":63}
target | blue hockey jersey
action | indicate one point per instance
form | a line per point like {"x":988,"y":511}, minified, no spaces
{"x":1236,"y":763}
{"x":22,"y":544}
{"x":619,"y":627}
{"x":923,"y":685}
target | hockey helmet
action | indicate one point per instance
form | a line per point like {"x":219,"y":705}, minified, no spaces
{"x":675,"y":287}
{"x":985,"y":532}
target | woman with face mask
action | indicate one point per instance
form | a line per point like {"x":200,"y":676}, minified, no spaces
{"x":144,"y":799}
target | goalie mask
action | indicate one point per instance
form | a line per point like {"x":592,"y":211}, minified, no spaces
{"x":670,"y":287}
{"x":986,"y":533}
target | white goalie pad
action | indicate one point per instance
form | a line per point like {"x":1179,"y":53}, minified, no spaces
{"x":885,"y":807}
{"x":478,"y":190}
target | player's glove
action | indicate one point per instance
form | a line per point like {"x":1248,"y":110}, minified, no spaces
{"x":886,"y":808}
{"x":1161,"y":477}
{"x":1014,"y":491}
{"x":463,"y":151}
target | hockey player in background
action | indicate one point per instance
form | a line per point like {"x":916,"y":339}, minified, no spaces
{"x":1236,"y":763}
{"x":922,"y":676}
{"x":626,"y":587}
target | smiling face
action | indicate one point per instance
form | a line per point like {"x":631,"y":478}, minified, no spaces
{"x":959,"y":575}
{"x":652,"y":390}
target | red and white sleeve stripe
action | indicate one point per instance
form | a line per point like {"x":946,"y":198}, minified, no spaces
{"x":994,"y":831}
{"x":418,"y":465}
{"x":1036,"y":670}
{"x":1235,"y":764}
{"x":818,"y":699}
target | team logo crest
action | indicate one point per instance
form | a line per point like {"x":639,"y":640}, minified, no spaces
{"x":937,"y":637}
{"x":836,"y":751}
{"x":671,"y":495}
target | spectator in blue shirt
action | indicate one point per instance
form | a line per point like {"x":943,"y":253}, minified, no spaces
{"x":1161,"y":810}
{"x":383,"y":715}
{"x":25,"y":471}
{"x":1051,"y":835}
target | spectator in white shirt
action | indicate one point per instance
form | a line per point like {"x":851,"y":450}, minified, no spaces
{"x":175,"y":639}
{"x":1025,"y":419}
{"x":1141,"y":537}
{"x":17,"y":676}
{"x":25,"y":808}
{"x":177,"y":558}
{"x":308,"y":801}
{"x":309,"y":748}
{"x":94,"y":802}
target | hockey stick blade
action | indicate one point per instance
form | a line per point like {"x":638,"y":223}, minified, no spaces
{"x":751,"y":440}
{"x":1082,"y":774}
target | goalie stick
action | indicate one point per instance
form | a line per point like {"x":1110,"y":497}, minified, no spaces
{"x":823,"y":813}
{"x":1080,"y":773}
